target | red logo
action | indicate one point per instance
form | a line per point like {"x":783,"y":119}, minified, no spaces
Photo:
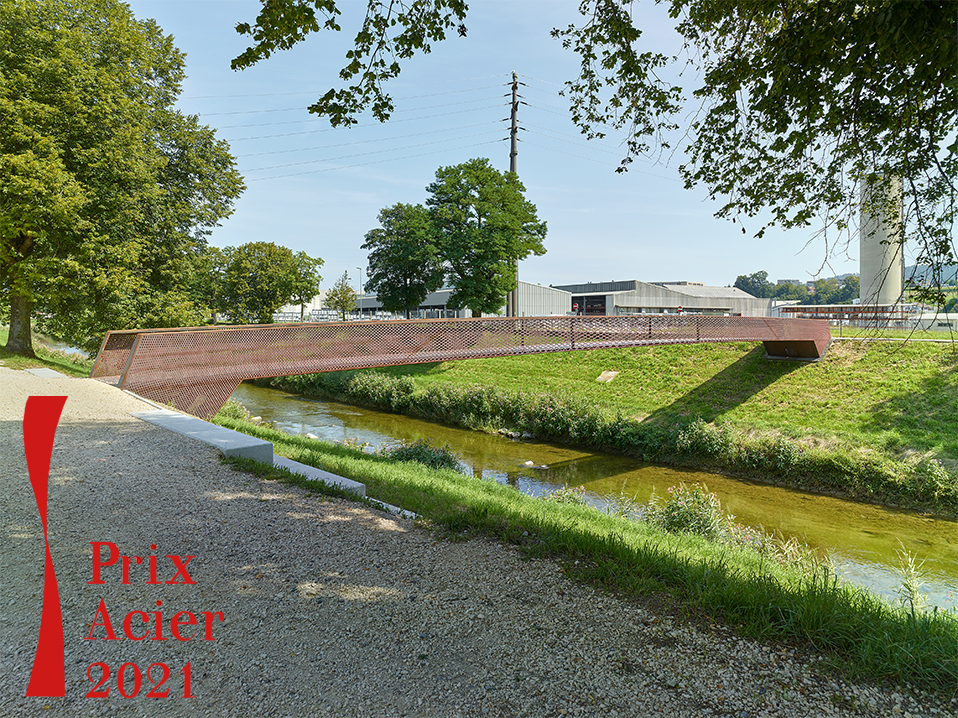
{"x":40,"y":419}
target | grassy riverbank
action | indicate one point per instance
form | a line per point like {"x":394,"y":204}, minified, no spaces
{"x":69,"y":364}
{"x":762,"y":594}
{"x":873,"y":421}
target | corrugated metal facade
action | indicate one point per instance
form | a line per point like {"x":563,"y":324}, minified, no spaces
{"x":536,"y":300}
{"x":634,"y":297}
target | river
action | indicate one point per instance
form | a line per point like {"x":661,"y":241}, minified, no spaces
{"x":864,"y":541}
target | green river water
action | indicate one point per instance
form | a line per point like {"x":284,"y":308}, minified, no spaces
{"x":864,"y":541}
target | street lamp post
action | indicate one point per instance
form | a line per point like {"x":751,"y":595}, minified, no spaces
{"x":360,"y":292}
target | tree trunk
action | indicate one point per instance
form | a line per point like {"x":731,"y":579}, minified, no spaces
{"x":20,"y":341}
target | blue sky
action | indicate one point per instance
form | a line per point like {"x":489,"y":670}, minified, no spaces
{"x":317,"y":189}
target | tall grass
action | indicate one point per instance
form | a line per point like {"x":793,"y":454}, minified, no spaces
{"x":839,"y":467}
{"x":763,"y":597}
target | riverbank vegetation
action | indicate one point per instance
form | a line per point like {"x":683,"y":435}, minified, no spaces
{"x":687,"y":550}
{"x":873,"y":421}
{"x":63,"y":362}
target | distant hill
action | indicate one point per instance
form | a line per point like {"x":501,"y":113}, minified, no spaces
{"x":919,"y":273}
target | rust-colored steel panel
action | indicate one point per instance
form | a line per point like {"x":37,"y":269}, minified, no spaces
{"x":197,"y":368}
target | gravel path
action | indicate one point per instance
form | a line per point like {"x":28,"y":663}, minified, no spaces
{"x":332,"y":608}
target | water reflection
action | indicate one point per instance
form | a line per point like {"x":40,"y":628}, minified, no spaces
{"x":864,"y":540}
{"x":54,"y":345}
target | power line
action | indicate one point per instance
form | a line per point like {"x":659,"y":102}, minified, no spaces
{"x":564,"y":109}
{"x":574,"y":142}
{"x":364,"y":142}
{"x":267,"y":124}
{"x":446,"y":82}
{"x":565,"y":113}
{"x":316,"y":92}
{"x":448,"y":92}
{"x":361,"y":154}
{"x":291,"y":109}
{"x":585,"y":144}
{"x":592,"y":159}
{"x":539,"y":89}
{"x":571,"y":154}
{"x":529,"y":77}
{"x":375,"y":162}
{"x":330,"y":129}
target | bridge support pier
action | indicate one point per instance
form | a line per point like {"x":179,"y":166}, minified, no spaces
{"x":799,"y":350}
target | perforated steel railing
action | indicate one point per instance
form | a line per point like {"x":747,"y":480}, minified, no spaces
{"x":197,"y":368}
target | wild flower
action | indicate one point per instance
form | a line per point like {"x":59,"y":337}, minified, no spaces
{"x":424,"y":452}
{"x":354,"y":443}
{"x":568,"y":495}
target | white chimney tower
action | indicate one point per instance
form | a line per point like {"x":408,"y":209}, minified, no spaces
{"x":881,"y":256}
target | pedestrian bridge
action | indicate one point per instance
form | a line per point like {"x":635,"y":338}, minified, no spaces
{"x":196,"y":369}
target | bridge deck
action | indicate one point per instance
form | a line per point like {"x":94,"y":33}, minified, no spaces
{"x":197,"y":368}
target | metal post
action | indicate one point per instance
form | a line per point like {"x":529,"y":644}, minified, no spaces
{"x":129,"y":361}
{"x":512,"y":299}
{"x":360,"y":293}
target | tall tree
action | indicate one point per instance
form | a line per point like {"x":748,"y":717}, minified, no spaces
{"x":826,"y":291}
{"x":790,"y":291}
{"x":260,"y":278}
{"x":849,"y":290}
{"x":799,"y":102}
{"x":207,"y":272}
{"x":106,"y":190}
{"x":341,"y":296}
{"x":404,"y":263}
{"x":307,"y":281}
{"x":483,"y":223}
{"x":756,"y":284}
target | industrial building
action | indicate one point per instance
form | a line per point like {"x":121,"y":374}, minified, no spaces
{"x":599,"y":299}
{"x":635,"y":297}
{"x":892,"y":316}
{"x":535,"y":300}
{"x":938,"y":321}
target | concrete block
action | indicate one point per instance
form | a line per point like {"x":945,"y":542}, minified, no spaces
{"x":315,"y":474}
{"x":230,"y":443}
{"x":46,"y":372}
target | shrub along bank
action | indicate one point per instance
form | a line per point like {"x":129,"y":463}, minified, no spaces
{"x":687,"y":549}
{"x":854,"y":464}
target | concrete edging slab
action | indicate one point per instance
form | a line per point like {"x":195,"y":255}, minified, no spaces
{"x":234,"y":443}
{"x":314,"y":474}
{"x":230,"y":443}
